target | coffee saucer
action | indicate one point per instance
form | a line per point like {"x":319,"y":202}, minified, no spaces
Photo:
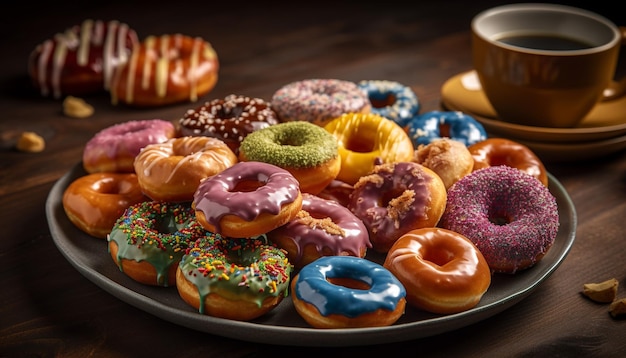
{"x":464,"y":93}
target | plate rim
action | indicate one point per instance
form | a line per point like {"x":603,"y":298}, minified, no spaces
{"x":303,"y":336}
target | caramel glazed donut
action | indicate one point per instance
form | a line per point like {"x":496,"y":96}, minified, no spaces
{"x":81,"y":60}
{"x":164,"y":70}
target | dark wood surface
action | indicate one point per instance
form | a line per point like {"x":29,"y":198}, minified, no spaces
{"x":47,"y":308}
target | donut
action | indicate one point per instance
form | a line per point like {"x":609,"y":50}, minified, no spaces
{"x":442,"y":271}
{"x":321,"y":228}
{"x":82,"y":59}
{"x":318,"y":100}
{"x":229,"y":119}
{"x":150,"y":238}
{"x":94,"y":202}
{"x":239,"y":279}
{"x":449,"y":158}
{"x":366,"y":140}
{"x":425,"y":128}
{"x":172,"y":170}
{"x":338,"y":192}
{"x":501,"y":151}
{"x":509,"y":215}
{"x":396,"y":198}
{"x":304,"y":149}
{"x":114,"y":149}
{"x":347,"y":292}
{"x":164,"y":70}
{"x":248,"y":199}
{"x":391,"y":99}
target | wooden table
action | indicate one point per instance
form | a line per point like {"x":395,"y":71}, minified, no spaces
{"x":47,"y":308}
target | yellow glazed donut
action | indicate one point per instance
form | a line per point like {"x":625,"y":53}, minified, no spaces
{"x":366,"y":140}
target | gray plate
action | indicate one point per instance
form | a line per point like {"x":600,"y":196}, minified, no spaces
{"x":283,"y":325}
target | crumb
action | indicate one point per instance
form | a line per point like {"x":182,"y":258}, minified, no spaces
{"x":618,"y":308}
{"x":30,"y":142}
{"x":604,"y":292}
{"x":76,"y":107}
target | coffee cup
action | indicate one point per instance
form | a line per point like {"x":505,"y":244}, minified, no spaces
{"x":546,"y":65}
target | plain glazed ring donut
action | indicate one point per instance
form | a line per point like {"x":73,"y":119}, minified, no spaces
{"x":396,"y":198}
{"x":347,"y":292}
{"x":114,"y":149}
{"x":172,"y":170}
{"x":304,"y":149}
{"x":366,"y":140}
{"x":238,"y":279}
{"x":509,"y":215}
{"x":441,"y":270}
{"x":150,"y":238}
{"x":321,"y":228}
{"x":82,"y":59}
{"x":229,"y":119}
{"x":391,"y":100}
{"x":95,"y":201}
{"x":164,"y":70}
{"x":318,"y":100}
{"x":500,"y":151}
{"x":459,"y":126}
{"x":248,"y":199}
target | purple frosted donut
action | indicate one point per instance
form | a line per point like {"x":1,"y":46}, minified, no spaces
{"x":509,"y":215}
{"x":322,"y":228}
{"x":319,"y":100}
{"x":114,"y":149}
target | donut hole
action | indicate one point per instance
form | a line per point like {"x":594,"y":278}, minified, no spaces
{"x":349,"y":283}
{"x":165,"y":224}
{"x":438,"y":256}
{"x":362,"y":143}
{"x":383,"y":101}
{"x":499,"y":218}
{"x":444,"y":131}
{"x":247,"y":186}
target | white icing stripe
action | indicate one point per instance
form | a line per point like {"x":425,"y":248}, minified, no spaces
{"x":46,"y":51}
{"x":162,"y":67}
{"x":193,"y":65}
{"x":108,"y":54}
{"x":145,"y":76}
{"x":82,"y":55}
{"x":58,"y":61}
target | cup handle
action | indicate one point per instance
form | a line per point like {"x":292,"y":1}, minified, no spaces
{"x":616,"y":88}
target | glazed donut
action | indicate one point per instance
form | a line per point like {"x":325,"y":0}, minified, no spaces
{"x":318,"y":100}
{"x":304,"y":149}
{"x":347,"y":292}
{"x":366,"y":140}
{"x":238,"y":279}
{"x":150,"y":238}
{"x":321,"y":228}
{"x":509,"y":215}
{"x":442,"y":271}
{"x":425,"y":128}
{"x":396,"y":198}
{"x":450,"y":159}
{"x":391,"y":100}
{"x":95,"y":201}
{"x":81,"y":60}
{"x":164,"y":70}
{"x":114,"y":149}
{"x":172,"y":170}
{"x":500,"y":151}
{"x":248,"y":199}
{"x":230,"y":119}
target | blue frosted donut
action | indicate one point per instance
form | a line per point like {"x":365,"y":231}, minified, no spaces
{"x":459,"y":126}
{"x":347,"y":292}
{"x":391,"y":100}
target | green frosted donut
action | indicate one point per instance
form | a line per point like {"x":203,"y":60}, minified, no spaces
{"x":295,"y":144}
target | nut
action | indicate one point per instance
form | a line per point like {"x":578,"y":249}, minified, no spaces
{"x":30,"y":142}
{"x":604,"y":292}
{"x":618,"y":308}
{"x":76,"y":107}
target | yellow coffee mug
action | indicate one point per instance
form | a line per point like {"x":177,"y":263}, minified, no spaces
{"x":546,"y":65}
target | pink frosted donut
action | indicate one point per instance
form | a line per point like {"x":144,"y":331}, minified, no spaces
{"x":322,"y":228}
{"x":319,"y":100}
{"x":509,"y":215}
{"x":114,"y":149}
{"x":248,"y":199}
{"x":396,"y":198}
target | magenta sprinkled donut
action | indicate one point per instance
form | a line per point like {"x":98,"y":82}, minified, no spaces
{"x":319,"y":100}
{"x":509,"y":215}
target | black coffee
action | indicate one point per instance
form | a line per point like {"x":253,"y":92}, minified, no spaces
{"x":546,"y":42}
